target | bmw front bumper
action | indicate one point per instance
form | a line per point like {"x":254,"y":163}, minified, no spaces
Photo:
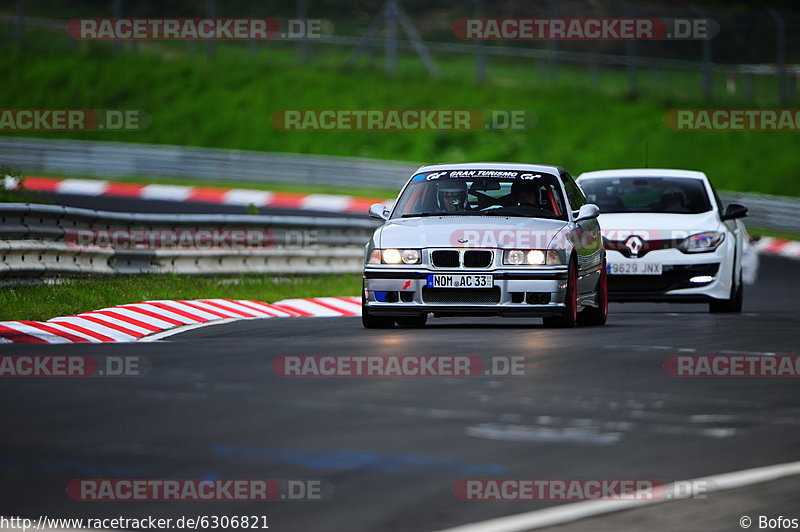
{"x":535,"y":292}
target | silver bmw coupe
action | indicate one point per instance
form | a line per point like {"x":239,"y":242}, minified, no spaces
{"x":486,"y":239}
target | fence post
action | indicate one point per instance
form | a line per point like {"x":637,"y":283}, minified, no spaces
{"x":480,"y":45}
{"x":301,"y":12}
{"x":20,"y":21}
{"x":552,"y":45}
{"x":707,"y":81}
{"x":210,"y":44}
{"x":390,"y":17}
{"x":116,"y":10}
{"x":630,"y":51}
{"x":780,"y":36}
{"x":749,"y":88}
{"x":594,"y":72}
{"x":655,"y":77}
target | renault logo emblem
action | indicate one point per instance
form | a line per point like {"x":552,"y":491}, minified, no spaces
{"x":634,"y":243}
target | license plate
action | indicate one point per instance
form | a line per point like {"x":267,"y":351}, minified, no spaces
{"x":633,"y":268}
{"x":459,"y":281}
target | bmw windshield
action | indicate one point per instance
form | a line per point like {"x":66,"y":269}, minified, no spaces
{"x":482,"y":193}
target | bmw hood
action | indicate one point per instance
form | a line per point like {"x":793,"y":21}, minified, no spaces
{"x":468,"y":231}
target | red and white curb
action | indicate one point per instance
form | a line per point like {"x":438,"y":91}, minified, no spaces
{"x":219,"y":195}
{"x":129,"y":323}
{"x":778,"y":246}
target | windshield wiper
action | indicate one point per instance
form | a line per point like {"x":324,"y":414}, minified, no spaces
{"x":415,"y":214}
{"x":519,"y":215}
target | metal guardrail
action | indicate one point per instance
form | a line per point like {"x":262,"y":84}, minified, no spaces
{"x":110,"y":159}
{"x":117,"y":159}
{"x":765,"y":211}
{"x":46,"y":239}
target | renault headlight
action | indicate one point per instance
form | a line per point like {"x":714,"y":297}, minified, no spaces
{"x":702,"y":242}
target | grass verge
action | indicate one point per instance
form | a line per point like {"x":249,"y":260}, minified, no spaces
{"x":73,"y":296}
{"x":228,"y":102}
{"x":760,"y":231}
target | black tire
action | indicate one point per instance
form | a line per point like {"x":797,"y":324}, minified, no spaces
{"x":732,"y":304}
{"x":373,"y":322}
{"x":569,"y":317}
{"x":597,"y":315}
{"x":412,"y":322}
{"x":376,"y":322}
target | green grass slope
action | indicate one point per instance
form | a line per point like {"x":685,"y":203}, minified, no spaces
{"x":228,"y":102}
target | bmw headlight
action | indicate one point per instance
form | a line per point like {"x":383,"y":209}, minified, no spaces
{"x":702,"y":242}
{"x":530,"y":257}
{"x":395,"y":256}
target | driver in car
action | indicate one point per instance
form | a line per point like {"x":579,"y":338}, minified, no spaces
{"x":452,"y":195}
{"x":525,"y":197}
{"x":673,"y":202}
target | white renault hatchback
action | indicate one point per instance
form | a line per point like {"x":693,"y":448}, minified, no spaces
{"x":668,"y":238}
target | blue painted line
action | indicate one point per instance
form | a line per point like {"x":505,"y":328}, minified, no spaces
{"x":339,"y":460}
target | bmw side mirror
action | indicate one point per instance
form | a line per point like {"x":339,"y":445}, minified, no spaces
{"x":733,"y":211}
{"x":379,"y":211}
{"x":587,"y":212}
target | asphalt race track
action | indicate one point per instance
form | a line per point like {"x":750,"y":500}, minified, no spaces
{"x":593,"y":403}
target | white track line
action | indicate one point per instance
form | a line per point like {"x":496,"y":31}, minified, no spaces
{"x":567,"y":513}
